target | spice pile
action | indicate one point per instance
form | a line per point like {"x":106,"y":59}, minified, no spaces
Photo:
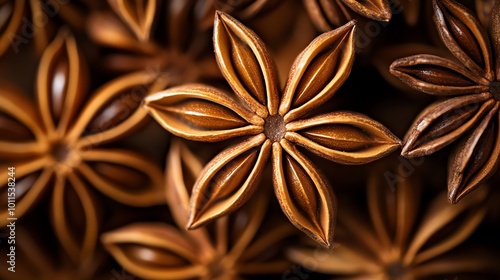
{"x":237,"y":139}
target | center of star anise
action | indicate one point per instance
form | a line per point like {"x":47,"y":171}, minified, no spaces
{"x":60,"y":151}
{"x":274,"y":128}
{"x":395,"y":270}
{"x":65,"y":159}
{"x":219,"y":270}
{"x":495,"y":90}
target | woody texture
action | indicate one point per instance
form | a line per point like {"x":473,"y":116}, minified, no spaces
{"x":249,"y":139}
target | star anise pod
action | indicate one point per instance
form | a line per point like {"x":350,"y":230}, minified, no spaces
{"x":38,"y":258}
{"x":56,"y":146}
{"x":18,"y":29}
{"x":396,"y":243}
{"x":414,"y":9}
{"x":159,"y":36}
{"x":139,"y":15}
{"x":244,"y":9}
{"x":235,"y":247}
{"x":386,"y":56}
{"x":329,"y":14}
{"x":471,"y":91}
{"x":273,"y":127}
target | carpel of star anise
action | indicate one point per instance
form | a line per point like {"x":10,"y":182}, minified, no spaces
{"x":139,"y":15}
{"x":158,"y":36}
{"x":236,"y":246}
{"x":470,"y":108}
{"x":274,"y":124}
{"x":397,"y":239}
{"x":57,"y":146}
{"x":24,"y":21}
{"x":329,"y":14}
{"x":35,"y":250}
{"x":245,"y":9}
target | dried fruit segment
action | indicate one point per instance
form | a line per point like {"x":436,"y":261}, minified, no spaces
{"x":443,"y":122}
{"x":304,"y":195}
{"x":61,"y":83}
{"x":20,"y":125}
{"x":318,"y":72}
{"x":329,"y":14}
{"x":246,"y":65}
{"x":344,"y":137}
{"x":138,"y":14}
{"x":228,"y":180}
{"x":107,"y":170}
{"x":436,"y":75}
{"x":155,"y":251}
{"x":475,"y":158}
{"x":203,"y":113}
{"x":75,"y":215}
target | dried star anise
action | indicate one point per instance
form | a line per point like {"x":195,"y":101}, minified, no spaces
{"x":171,"y":43}
{"x":329,"y":14}
{"x":274,"y":127}
{"x":139,"y":15}
{"x":245,"y":9}
{"x":38,"y":258}
{"x":17,"y":29}
{"x":237,"y":247}
{"x":396,"y":243}
{"x":471,"y":89}
{"x":56,"y":149}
